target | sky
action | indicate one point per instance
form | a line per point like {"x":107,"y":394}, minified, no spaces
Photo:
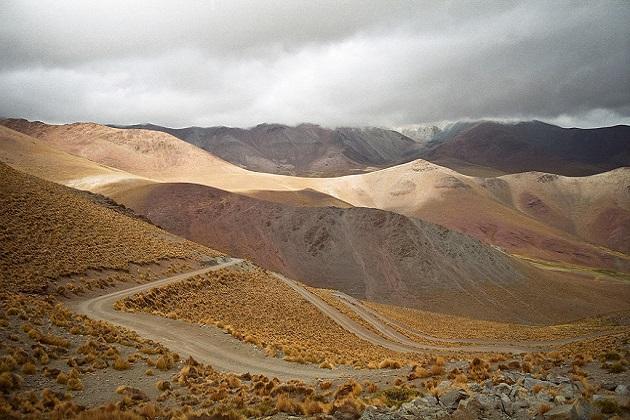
{"x":334,"y":63}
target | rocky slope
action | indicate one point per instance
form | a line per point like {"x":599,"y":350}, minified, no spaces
{"x":370,"y":253}
{"x":306,"y":149}
{"x":555,"y":218}
{"x":530,"y":146}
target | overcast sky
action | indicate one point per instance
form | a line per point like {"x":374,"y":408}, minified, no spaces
{"x":383,"y":63}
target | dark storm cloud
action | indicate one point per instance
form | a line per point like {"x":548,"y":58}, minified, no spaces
{"x":334,"y":63}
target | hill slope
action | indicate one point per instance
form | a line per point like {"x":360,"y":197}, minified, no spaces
{"x":538,"y":215}
{"x":306,"y":149}
{"x":49,"y":231}
{"x":369,"y":253}
{"x":531,"y":146}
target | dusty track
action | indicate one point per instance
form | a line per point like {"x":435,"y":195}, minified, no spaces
{"x":385,"y":323}
{"x":207,"y":344}
{"x":389,"y":337}
{"x":212,"y":345}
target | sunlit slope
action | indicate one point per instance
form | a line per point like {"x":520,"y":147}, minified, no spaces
{"x":539,"y":215}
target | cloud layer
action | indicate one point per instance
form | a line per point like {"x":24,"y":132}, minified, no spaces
{"x":329,"y":62}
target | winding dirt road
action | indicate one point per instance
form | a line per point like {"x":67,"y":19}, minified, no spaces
{"x":208,"y":344}
{"x":213,"y":346}
{"x":376,"y":318}
{"x":390,"y":338}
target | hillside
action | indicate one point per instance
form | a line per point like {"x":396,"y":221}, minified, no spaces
{"x":373,"y":254}
{"x":530,"y":146}
{"x":543,"y":216}
{"x":50,"y":232}
{"x":303,"y":150}
{"x":547,"y":216}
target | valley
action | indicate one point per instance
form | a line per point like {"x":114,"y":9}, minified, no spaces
{"x":280,"y":294}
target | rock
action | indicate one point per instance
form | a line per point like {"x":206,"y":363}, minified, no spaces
{"x":559,"y":399}
{"x":506,"y":405}
{"x":374,"y":413}
{"x":502,"y":388}
{"x":521,"y":404}
{"x":579,"y":410}
{"x":622,"y":390}
{"x":609,"y":386}
{"x":444,"y":385}
{"x":566,"y":390}
{"x":428,"y":400}
{"x":451,"y":399}
{"x":560,"y":412}
{"x":530,"y":382}
{"x":469,"y":408}
{"x":474,"y":387}
{"x":513,"y":393}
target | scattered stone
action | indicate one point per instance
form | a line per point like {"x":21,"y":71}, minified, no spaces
{"x":503,"y":388}
{"x":506,"y":405}
{"x":622,"y":390}
{"x":530,"y":382}
{"x":579,"y":410}
{"x":451,"y":399}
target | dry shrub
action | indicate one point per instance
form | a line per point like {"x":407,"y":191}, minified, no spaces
{"x":437,"y":370}
{"x":164,"y":362}
{"x":163,"y":385}
{"x":7,"y":363}
{"x":324,"y":385}
{"x":62,"y":378}
{"x":543,"y":408}
{"x":461,"y":378}
{"x":285,"y":404}
{"x":9,"y":381}
{"x":29,"y":368}
{"x":75,"y":384}
{"x":326,"y":365}
{"x":389,"y":364}
{"x":121,"y":364}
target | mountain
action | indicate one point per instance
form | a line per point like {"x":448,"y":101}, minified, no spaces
{"x":579,"y":220}
{"x":370,"y":253}
{"x":305,"y":150}
{"x":530,"y":146}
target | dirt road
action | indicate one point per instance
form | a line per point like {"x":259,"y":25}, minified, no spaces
{"x":208,"y":344}
{"x":389,"y":338}
{"x":375,"y":318}
{"x":213,"y":346}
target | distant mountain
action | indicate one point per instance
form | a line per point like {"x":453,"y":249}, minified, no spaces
{"x":529,"y":146}
{"x":306,"y":149}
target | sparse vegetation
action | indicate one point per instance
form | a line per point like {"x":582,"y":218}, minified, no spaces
{"x":257,"y":308}
{"x":49,"y":232}
{"x":450,"y":326}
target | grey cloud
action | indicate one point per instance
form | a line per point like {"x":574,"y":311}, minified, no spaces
{"x":333,"y":63}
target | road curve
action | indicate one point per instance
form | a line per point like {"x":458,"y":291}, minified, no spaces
{"x":373,"y":317}
{"x":390,"y":339}
{"x":208,"y":344}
